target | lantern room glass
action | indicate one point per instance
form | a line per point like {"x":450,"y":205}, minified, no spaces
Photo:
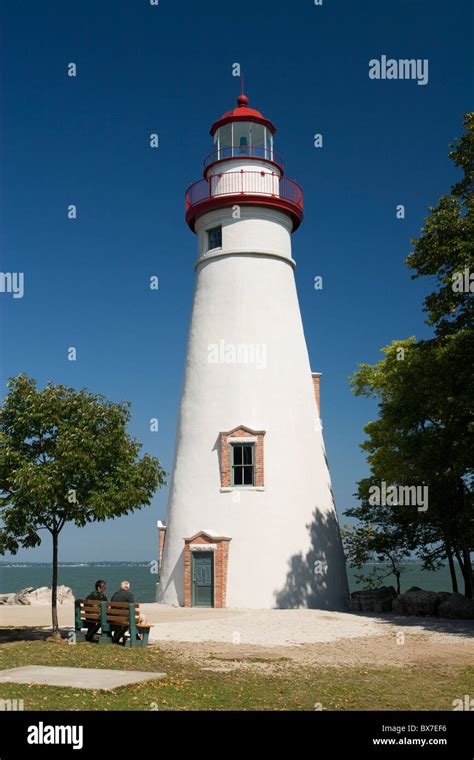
{"x":243,"y":138}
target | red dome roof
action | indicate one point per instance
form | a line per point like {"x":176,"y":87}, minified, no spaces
{"x":242,"y":113}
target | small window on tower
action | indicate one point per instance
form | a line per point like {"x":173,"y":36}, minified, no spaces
{"x":243,"y":467}
{"x":214,"y":238}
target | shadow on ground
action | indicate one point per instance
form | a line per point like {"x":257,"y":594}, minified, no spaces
{"x":463,"y":628}
{"x":9,"y":635}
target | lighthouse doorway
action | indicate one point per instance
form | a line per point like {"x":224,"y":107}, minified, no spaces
{"x":203,"y":579}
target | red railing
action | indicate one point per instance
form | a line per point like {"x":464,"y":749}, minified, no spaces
{"x":244,"y":183}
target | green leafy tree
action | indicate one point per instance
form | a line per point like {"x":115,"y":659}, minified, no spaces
{"x":445,"y":249}
{"x":366,"y":543}
{"x":424,"y":434}
{"x":423,"y":438}
{"x":65,"y":456}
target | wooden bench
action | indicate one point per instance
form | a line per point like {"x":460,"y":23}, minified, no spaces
{"x":110,"y":616}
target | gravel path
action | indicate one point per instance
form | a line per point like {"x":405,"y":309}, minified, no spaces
{"x":292,"y":627}
{"x":264,"y":628}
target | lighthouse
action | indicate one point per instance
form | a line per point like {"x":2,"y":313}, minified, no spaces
{"x":251,"y":520}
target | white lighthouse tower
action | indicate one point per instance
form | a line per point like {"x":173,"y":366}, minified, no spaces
{"x":251,"y":519}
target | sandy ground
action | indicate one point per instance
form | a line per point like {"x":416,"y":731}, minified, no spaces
{"x":278,"y":639}
{"x":37,"y":615}
{"x":291,"y":627}
{"x":418,"y":650}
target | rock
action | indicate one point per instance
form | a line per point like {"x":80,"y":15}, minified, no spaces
{"x":22,"y":596}
{"x":43,"y":595}
{"x":39,"y":596}
{"x":419,"y":602}
{"x":457,"y":606}
{"x":373,"y":600}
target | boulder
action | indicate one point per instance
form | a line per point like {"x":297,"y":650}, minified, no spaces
{"x":457,"y":606}
{"x":22,"y":596}
{"x":373,"y":600}
{"x":415,"y":601}
{"x":42,"y":596}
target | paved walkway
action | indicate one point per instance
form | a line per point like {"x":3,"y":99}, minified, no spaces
{"x":79,"y":678}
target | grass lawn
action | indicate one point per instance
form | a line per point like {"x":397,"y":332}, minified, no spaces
{"x":189,"y":687}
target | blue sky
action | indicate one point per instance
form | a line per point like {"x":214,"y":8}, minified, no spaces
{"x":168,"y":69}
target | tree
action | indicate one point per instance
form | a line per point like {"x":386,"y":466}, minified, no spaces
{"x":445,"y":248}
{"x":65,"y":456}
{"x":365,"y":543}
{"x":423,"y":439}
{"x":424,"y":435}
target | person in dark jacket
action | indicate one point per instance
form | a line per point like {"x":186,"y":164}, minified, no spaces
{"x":98,"y":595}
{"x":122,"y":595}
{"x":125,"y":595}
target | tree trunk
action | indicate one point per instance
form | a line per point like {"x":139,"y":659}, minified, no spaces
{"x":54,"y":585}
{"x":397,"y":575}
{"x":460,"y":562}
{"x":452,"y":569}
{"x":464,"y":556}
{"x":467,"y":572}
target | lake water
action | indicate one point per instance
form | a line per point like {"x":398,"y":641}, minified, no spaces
{"x":81,"y":578}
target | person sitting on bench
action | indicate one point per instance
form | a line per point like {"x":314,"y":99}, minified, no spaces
{"x":99,"y":596}
{"x":124,"y":595}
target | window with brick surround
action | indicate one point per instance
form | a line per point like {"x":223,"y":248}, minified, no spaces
{"x":243,"y":464}
{"x":241,"y":459}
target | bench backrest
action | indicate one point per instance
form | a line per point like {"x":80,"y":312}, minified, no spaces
{"x":113,"y":613}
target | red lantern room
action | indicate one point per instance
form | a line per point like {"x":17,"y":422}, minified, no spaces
{"x":242,"y":132}
{"x":243,"y":168}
